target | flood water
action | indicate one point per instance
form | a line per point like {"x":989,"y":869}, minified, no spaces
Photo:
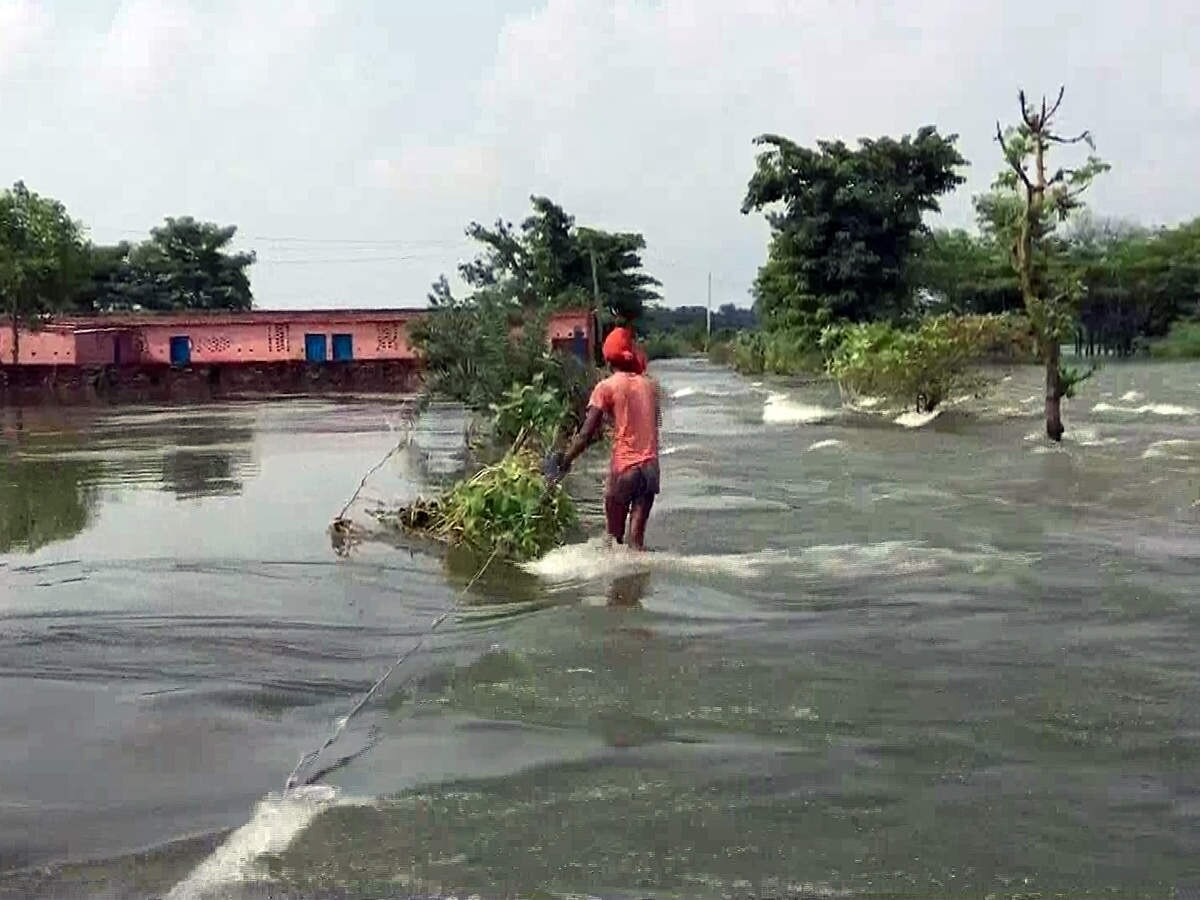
{"x":864,"y":659}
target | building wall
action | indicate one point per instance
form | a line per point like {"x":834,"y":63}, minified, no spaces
{"x":95,"y":348}
{"x":46,"y":348}
{"x":260,"y":338}
{"x":241,"y":343}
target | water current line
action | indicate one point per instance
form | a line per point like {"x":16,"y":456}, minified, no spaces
{"x":345,"y":720}
{"x":410,"y":404}
{"x":416,"y":403}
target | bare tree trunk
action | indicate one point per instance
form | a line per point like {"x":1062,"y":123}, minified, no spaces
{"x":1054,"y":425}
{"x":16,"y":339}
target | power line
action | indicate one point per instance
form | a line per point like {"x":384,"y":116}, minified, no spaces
{"x":294,"y":239}
{"x":338,"y":261}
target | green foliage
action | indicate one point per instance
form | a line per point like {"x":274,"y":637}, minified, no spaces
{"x":1136,"y":282}
{"x":1181,"y":342}
{"x":478,"y":352}
{"x":782,"y":351}
{"x":41,"y":252}
{"x":922,"y":365}
{"x":843,"y":225}
{"x":506,"y":508}
{"x":547,"y":264}
{"x":960,"y":272}
{"x":1025,"y":208}
{"x":185,"y":265}
{"x":1070,"y":377}
{"x":671,"y":344}
{"x":536,"y":410}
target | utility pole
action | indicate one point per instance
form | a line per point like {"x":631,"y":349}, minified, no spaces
{"x":595,"y":309}
{"x":708,"y":315}
{"x":595,"y":283}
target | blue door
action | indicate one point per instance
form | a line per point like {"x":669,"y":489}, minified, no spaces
{"x":181,"y":350}
{"x":314,"y":348}
{"x":343,"y":347}
{"x":580,"y":345}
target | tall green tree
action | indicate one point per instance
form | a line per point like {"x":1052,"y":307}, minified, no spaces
{"x":185,"y":264}
{"x":1027,"y":204}
{"x":41,"y":255}
{"x":844,"y":221}
{"x":959,"y":272}
{"x":106,"y":276}
{"x":546,"y":264}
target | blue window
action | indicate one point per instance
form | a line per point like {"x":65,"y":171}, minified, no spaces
{"x":343,"y":347}
{"x":314,"y":348}
{"x":181,"y":350}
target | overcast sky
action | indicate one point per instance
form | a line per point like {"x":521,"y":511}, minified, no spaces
{"x":351,"y":141}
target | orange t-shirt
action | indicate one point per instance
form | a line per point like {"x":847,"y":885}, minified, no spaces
{"x":631,"y":402}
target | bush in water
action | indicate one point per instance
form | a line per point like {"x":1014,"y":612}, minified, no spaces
{"x":506,"y":508}
{"x":1181,"y":342}
{"x":781,"y":351}
{"x":921,"y":365}
{"x":537,"y":410}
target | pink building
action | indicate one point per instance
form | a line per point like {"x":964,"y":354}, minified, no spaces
{"x":255,"y":337}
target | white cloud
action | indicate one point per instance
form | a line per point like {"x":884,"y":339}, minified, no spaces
{"x":432,"y":173}
{"x":405,"y":121}
{"x":643,"y":113}
{"x":148,"y":45}
{"x":22,"y":24}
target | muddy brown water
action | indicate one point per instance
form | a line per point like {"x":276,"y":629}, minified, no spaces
{"x":864,"y":659}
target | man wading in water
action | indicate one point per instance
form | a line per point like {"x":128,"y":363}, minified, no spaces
{"x":630,"y":400}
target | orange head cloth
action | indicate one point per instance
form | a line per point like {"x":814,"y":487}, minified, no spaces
{"x":620,"y":352}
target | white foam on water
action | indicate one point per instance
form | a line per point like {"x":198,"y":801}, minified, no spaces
{"x":1168,"y":449}
{"x":867,"y":402}
{"x":684,"y":392}
{"x":1157,"y":409}
{"x":275,"y":823}
{"x":1132,"y":397}
{"x":1086,"y":436}
{"x":916,"y":419}
{"x":779,"y":410}
{"x":671,"y":451}
{"x":824,"y":445}
{"x":596,"y":559}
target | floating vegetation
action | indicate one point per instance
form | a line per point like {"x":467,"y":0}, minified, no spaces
{"x":505,"y":508}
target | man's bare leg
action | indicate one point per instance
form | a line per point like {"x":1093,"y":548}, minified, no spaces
{"x":638,"y":518}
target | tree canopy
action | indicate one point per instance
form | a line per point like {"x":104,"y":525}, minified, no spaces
{"x":843,"y":224}
{"x":184,"y":265}
{"x":546,"y":264}
{"x":41,"y":253}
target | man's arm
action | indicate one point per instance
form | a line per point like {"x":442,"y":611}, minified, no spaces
{"x":592,"y":423}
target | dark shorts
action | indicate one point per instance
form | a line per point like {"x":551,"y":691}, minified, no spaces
{"x":633,"y":484}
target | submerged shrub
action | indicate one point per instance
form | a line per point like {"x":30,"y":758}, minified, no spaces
{"x":920,"y":365}
{"x":506,"y":508}
{"x":537,"y":410}
{"x":1181,"y":342}
{"x":782,"y":351}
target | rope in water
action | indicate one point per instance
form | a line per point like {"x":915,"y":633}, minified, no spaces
{"x":345,"y":720}
{"x":411,"y":404}
{"x":407,"y":408}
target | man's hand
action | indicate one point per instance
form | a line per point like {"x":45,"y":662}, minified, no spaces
{"x":555,"y":467}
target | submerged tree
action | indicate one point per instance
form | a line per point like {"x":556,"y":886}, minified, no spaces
{"x":844,"y":222}
{"x":1026,"y":205}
